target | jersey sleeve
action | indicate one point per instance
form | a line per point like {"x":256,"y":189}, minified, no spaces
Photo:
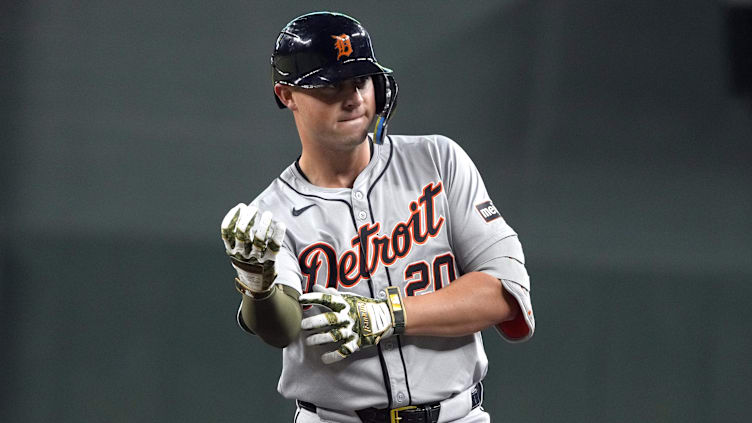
{"x":481,"y":239}
{"x":288,"y":269}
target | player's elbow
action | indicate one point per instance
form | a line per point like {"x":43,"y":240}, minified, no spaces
{"x":499,"y":305}
{"x":495,"y":304}
{"x":510,"y":309}
{"x":278,"y":332}
{"x":275,"y":319}
{"x":280,"y":338}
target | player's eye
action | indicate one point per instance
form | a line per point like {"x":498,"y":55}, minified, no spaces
{"x":361,"y":81}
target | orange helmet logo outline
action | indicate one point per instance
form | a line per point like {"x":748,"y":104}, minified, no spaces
{"x":343,"y":45}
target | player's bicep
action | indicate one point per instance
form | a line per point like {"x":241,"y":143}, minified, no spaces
{"x":502,"y":259}
{"x":480,"y":237}
{"x":475,"y":222}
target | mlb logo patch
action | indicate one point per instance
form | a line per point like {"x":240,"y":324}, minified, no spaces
{"x":487,"y":211}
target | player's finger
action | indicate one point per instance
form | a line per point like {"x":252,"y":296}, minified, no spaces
{"x":319,"y":288}
{"x":245,"y":223}
{"x":321,"y":338}
{"x":261,"y":229}
{"x":334,"y":335}
{"x":260,"y":234}
{"x":333,"y":357}
{"x":243,"y":232}
{"x":349,"y":347}
{"x":321,"y":321}
{"x":241,"y":250}
{"x":276,"y":237}
{"x":344,"y":351}
{"x":228,"y":226}
{"x":330,"y":301}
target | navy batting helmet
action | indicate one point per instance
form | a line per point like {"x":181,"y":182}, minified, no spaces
{"x":322,"y":48}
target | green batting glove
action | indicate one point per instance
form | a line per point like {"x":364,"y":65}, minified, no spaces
{"x":252,"y":240}
{"x":354,"y":321}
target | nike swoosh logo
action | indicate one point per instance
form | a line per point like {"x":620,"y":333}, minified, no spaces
{"x":297,"y":212}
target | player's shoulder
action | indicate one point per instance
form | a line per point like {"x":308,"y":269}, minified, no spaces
{"x":420,"y":140}
{"x":435,"y":145}
{"x":426,"y":142}
{"x":275,"y":197}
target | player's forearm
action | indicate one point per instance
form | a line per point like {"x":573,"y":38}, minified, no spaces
{"x":276,"y":318}
{"x":469,"y":304}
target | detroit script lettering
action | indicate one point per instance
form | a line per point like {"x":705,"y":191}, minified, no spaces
{"x":370,"y":250}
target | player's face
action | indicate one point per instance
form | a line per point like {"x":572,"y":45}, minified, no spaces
{"x":338,"y":115}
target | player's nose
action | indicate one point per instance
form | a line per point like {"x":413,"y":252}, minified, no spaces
{"x":353,"y":94}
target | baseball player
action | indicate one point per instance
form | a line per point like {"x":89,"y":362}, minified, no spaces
{"x":375,"y":260}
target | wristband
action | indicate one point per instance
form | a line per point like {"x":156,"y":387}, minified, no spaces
{"x":397,"y":307}
{"x":243,"y":289}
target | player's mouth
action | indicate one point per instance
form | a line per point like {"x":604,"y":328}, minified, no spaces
{"x":352,"y":118}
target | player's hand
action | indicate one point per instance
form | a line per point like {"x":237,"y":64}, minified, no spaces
{"x":354,"y":321}
{"x":252,"y":240}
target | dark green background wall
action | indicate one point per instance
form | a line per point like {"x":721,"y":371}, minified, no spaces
{"x":605,"y":131}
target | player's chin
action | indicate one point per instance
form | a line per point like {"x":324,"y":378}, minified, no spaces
{"x":355,"y":129}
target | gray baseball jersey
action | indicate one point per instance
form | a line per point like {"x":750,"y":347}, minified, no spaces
{"x":418,"y":216}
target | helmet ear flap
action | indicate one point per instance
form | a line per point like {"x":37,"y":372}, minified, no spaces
{"x":379,"y":89}
{"x":385,"y":90}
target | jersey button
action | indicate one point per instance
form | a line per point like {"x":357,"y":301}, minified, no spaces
{"x":388,"y":346}
{"x":358,"y":195}
{"x":400,"y":397}
{"x":382,"y":294}
{"x":362,"y":215}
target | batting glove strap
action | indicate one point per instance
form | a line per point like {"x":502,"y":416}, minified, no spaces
{"x":246,"y":290}
{"x":257,"y":277}
{"x":397,"y":308}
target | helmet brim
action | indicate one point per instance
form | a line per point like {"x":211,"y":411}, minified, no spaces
{"x":347,"y":69}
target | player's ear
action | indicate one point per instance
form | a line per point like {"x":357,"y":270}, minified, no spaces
{"x":284,"y":94}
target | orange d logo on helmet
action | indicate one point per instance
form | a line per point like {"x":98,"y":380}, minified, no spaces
{"x":343,"y":46}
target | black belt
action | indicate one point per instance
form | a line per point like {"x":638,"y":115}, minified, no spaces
{"x":426,"y":413}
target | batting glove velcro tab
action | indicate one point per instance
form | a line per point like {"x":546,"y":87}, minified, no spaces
{"x":354,"y":322}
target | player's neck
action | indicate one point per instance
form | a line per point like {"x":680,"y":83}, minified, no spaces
{"x":334,"y":169}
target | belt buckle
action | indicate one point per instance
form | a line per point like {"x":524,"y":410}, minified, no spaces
{"x":394,"y":413}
